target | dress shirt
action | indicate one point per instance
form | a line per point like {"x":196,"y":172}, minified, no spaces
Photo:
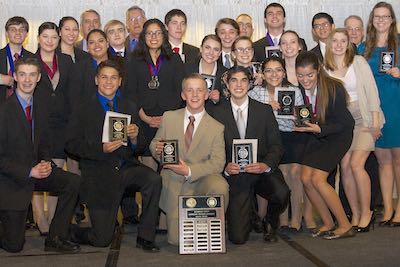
{"x":224,"y":58}
{"x":322,"y":47}
{"x":244,"y":107}
{"x":278,"y":38}
{"x":312,"y":98}
{"x":180,"y":46}
{"x":84,"y":45}
{"x":104,"y":101}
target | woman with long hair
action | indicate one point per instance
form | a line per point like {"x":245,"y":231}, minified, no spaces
{"x":329,"y":140}
{"x":383,"y":39}
{"x":355,"y":73}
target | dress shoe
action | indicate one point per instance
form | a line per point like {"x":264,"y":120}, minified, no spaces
{"x":366,"y":228}
{"x":386,"y":222}
{"x":257,"y":224}
{"x":147,"y":246}
{"x":347,"y":234}
{"x":318,"y":232}
{"x":394,"y":224}
{"x":270,"y":233}
{"x":59,"y":245}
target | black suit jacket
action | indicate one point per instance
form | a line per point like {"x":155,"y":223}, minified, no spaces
{"x":317,"y":50}
{"x":4,"y":70}
{"x":191,"y":53}
{"x":57,"y":101}
{"x":101,"y":171}
{"x":259,"y":48}
{"x":155,"y":101}
{"x":80,"y":55}
{"x":18,"y":153}
{"x":261,"y":125}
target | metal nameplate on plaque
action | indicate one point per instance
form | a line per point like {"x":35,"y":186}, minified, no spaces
{"x":201,"y":224}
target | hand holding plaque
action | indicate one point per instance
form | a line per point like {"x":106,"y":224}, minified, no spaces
{"x":115,"y":127}
{"x":170,"y":152}
{"x":304,"y":113}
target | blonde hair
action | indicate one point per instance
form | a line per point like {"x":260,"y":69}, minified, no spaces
{"x":329,"y":62}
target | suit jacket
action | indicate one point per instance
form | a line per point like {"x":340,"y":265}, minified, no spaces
{"x":191,"y":53}
{"x":80,"y":55}
{"x":4,"y":70}
{"x":155,"y":101}
{"x":206,"y":155}
{"x":19,"y":153}
{"x":261,"y":125}
{"x":259,"y":48}
{"x":102,"y":172}
{"x":317,"y":50}
{"x":57,"y":100}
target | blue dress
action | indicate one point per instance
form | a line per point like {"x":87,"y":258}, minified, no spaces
{"x":389,"y":94}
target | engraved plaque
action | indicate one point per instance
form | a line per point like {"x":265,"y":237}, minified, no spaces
{"x":201,"y":224}
{"x":304,"y":113}
{"x":117,"y":129}
{"x":386,"y":62}
{"x":210,"y":81}
{"x":170,"y":152}
{"x":243,"y":154}
{"x":286,"y":100}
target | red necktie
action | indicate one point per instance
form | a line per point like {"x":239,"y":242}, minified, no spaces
{"x":176,"y":50}
{"x":189,"y":132}
{"x":10,"y":89}
{"x":28,"y":115}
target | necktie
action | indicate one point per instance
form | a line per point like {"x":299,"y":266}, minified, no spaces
{"x":240,"y":124}
{"x":133,"y":44}
{"x":10,"y":89}
{"x":276,"y":42}
{"x":189,"y":132}
{"x":119,"y":54}
{"x":110,"y":105}
{"x":176,"y":50}
{"x":227,"y":61}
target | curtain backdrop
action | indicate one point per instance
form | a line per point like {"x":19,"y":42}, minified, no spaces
{"x":202,"y":14}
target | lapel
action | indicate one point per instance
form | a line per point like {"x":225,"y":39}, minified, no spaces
{"x":231,"y":123}
{"x":251,"y":126}
{"x":3,"y":63}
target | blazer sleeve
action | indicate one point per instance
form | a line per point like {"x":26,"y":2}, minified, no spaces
{"x":216,"y":160}
{"x":340,"y":119}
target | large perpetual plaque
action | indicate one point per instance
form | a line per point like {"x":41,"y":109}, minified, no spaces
{"x":201,"y":224}
{"x":170,"y":154}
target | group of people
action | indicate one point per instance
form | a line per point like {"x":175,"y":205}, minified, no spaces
{"x":53,"y":105}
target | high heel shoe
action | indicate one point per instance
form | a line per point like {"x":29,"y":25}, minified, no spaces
{"x":387,"y":222}
{"x":347,"y":234}
{"x":40,"y":232}
{"x":366,"y":228}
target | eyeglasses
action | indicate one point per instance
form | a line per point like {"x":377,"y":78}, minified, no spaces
{"x":245,"y":25}
{"x":384,"y":18}
{"x":242,"y":50}
{"x":115,"y":31}
{"x":321,"y":26}
{"x":137,"y":19}
{"x":154,"y":34}
{"x":15,"y":30}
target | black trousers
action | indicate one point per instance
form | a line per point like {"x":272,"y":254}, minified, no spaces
{"x":139,"y":178}
{"x":242,"y":188}
{"x":61,"y":183}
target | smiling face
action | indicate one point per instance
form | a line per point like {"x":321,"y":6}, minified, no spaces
{"x":274,"y":73}
{"x":16,"y":34}
{"x":195,"y":94}
{"x":340,"y":43}
{"x":27,"y":77}
{"x":290,"y":45}
{"x":48,"y":40}
{"x":69,"y":32}
{"x":90,"y":21}
{"x":108,"y":81}
{"x":243,"y":52}
{"x":275,"y":18}
{"x":97,"y":45}
{"x":210,"y":51}
{"x":154,"y":37}
{"x":355,"y":29}
{"x":228,"y":35}
{"x":307,"y":77}
{"x":382,"y":19}
{"x":322,"y":28}
{"x":238,"y":86}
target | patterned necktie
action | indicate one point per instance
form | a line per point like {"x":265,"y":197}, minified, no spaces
{"x":175,"y":50}
{"x":227,"y":61}
{"x":276,"y":42}
{"x":189,"y":132}
{"x":110,"y":105}
{"x":240,"y":124}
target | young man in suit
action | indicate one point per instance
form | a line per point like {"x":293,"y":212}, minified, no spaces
{"x":274,"y":21}
{"x":245,"y":22}
{"x":109,"y":169}
{"x":135,"y":19}
{"x":245,"y":118}
{"x":322,"y":25}
{"x":228,"y":30}
{"x":17,"y":29}
{"x":176,"y":22}
{"x":90,"y":19}
{"x":116,"y":32}
{"x":26,"y":166}
{"x":201,"y":152}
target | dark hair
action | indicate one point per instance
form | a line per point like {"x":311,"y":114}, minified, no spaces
{"x":142,"y":50}
{"x":110,"y":63}
{"x":241,"y":38}
{"x":212,"y":37}
{"x":229,"y":21}
{"x":48,"y":26}
{"x":281,"y":61}
{"x":236,"y":69}
{"x":193,"y":76}
{"x":28,"y":61}
{"x":274,"y":5}
{"x":172,"y":13}
{"x":94,"y":31}
{"x":322,"y":15}
{"x":63,"y":20}
{"x":327,"y":85}
{"x":17,"y":21}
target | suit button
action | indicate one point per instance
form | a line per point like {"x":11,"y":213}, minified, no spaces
{"x":116,"y":168}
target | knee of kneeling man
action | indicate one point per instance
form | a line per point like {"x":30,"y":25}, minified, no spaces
{"x":13,"y":247}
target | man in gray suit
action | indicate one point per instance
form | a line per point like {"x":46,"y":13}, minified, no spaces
{"x":201,"y":153}
{"x":90,"y":20}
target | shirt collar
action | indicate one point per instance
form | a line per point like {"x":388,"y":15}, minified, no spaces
{"x":197,"y":116}
{"x":242,"y":107}
{"x":23,"y":102}
{"x":104,"y":100}
{"x":180,"y":46}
